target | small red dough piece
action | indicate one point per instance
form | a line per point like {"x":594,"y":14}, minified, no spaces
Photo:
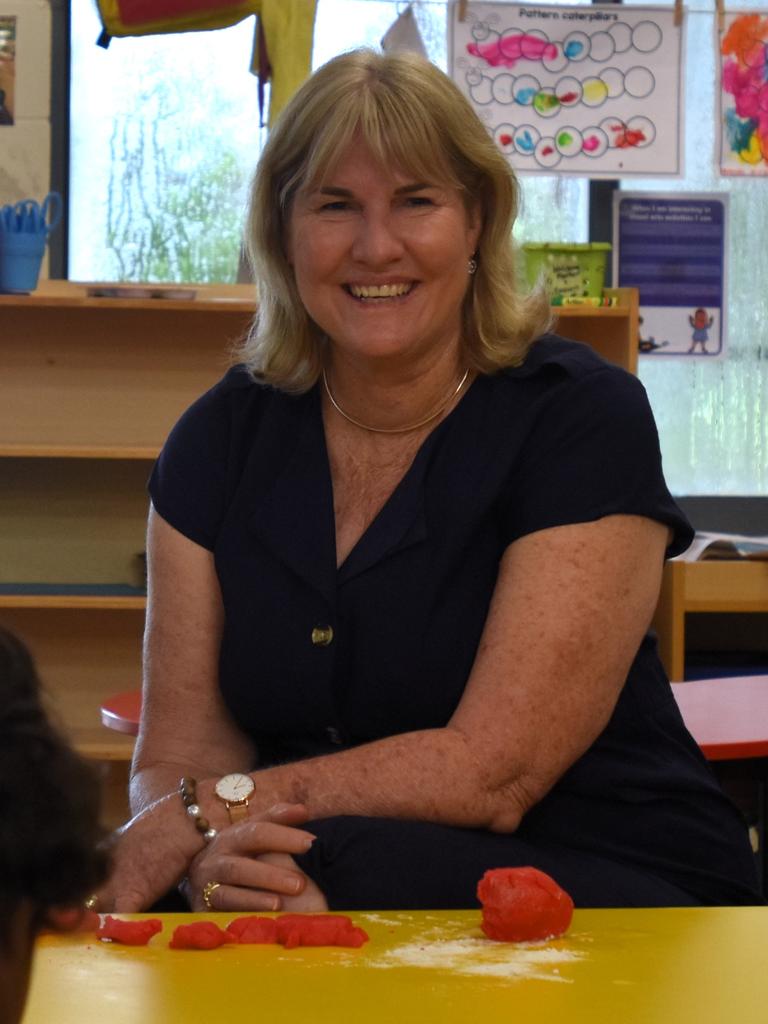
{"x":523,"y":905}
{"x":129,"y":933}
{"x":253,"y":929}
{"x":318,"y":930}
{"x":198,"y":935}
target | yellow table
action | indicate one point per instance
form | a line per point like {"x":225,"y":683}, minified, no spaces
{"x":706,"y":965}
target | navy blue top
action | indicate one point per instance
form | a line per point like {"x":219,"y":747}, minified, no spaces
{"x":564,"y":438}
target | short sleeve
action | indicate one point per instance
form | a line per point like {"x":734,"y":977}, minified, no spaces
{"x":592,"y":451}
{"x":188,"y":481}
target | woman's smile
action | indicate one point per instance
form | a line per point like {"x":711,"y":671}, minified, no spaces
{"x":370,"y":293}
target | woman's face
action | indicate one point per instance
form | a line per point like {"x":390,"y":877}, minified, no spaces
{"x":380,"y":259}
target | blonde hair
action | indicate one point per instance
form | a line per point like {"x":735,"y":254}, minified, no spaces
{"x":410,"y":115}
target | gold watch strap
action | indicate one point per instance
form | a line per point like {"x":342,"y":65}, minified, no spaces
{"x":238,"y":811}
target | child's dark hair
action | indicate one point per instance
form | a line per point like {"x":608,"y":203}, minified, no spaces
{"x":49,"y":801}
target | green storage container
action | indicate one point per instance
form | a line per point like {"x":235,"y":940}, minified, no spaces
{"x":569,"y":271}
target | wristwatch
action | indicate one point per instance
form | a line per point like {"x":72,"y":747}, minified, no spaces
{"x":234,"y":790}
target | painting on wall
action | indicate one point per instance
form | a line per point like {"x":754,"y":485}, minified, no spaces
{"x":591,"y":91}
{"x":743,"y":67}
{"x":7,"y":67}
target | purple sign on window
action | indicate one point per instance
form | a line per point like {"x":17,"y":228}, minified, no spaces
{"x":671,"y":247}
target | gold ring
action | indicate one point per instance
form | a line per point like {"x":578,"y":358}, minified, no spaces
{"x":91,"y":903}
{"x":208,"y":888}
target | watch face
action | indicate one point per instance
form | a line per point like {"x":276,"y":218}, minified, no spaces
{"x":235,"y":788}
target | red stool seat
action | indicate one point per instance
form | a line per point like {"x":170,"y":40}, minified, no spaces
{"x":122,"y":712}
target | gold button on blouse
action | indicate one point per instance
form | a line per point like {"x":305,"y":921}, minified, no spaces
{"x":322,"y":635}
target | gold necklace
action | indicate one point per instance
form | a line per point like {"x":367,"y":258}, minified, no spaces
{"x":395,"y":430}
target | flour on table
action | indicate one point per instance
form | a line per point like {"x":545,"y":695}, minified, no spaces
{"x":481,"y":957}
{"x":381,"y":919}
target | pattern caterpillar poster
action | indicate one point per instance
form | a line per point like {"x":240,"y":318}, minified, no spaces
{"x":743,"y":64}
{"x":592,"y":91}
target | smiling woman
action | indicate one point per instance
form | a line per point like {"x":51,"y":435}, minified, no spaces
{"x":401,"y":570}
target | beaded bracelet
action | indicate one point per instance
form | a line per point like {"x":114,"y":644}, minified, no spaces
{"x":188,"y":790}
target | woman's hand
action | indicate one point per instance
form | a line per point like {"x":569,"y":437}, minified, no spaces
{"x":150,"y":855}
{"x":248,"y":866}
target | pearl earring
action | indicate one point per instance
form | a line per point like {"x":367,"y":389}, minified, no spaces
{"x":471,"y":265}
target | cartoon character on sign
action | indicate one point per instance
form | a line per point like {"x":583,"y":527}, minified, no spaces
{"x":701,"y":323}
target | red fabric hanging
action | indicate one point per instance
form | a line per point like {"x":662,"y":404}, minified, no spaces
{"x":134,"y":12}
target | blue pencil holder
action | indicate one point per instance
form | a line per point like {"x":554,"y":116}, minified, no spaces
{"x":21,"y":256}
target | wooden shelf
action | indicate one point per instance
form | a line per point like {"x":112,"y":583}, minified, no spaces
{"x":84,"y":603}
{"x":613,"y":331}
{"x":75,"y":294}
{"x":85,"y":653}
{"x":81,"y":451}
{"x":711,"y":587}
{"x":102,"y":744}
{"x":72,"y":521}
{"x":107,"y":378}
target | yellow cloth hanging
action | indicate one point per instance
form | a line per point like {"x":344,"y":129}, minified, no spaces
{"x":288,"y":28}
{"x":287,"y":25}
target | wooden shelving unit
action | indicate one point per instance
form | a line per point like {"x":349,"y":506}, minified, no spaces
{"x":612,"y":331}
{"x":714,"y":587}
{"x":89,"y":388}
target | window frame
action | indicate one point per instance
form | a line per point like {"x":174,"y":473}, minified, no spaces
{"x":61,"y":66}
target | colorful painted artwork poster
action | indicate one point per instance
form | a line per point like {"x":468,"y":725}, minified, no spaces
{"x":593,"y":91}
{"x":671,"y":247}
{"x":7,"y":68}
{"x":743,"y":64}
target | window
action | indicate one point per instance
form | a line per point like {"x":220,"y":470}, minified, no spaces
{"x":162,"y":147}
{"x":165,"y":133}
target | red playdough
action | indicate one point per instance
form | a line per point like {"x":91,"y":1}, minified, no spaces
{"x":523,"y":905}
{"x":129,"y":933}
{"x":318,"y":930}
{"x":253,"y":929}
{"x":198,"y":935}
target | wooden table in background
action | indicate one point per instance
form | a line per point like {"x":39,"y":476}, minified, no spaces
{"x":631,"y":966}
{"x":737,"y":586}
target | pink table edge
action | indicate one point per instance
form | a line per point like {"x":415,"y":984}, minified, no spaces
{"x":728,"y":716}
